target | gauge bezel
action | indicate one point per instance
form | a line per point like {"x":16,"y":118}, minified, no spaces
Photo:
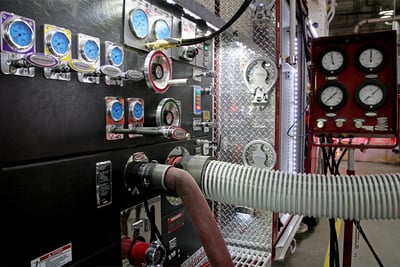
{"x":85,"y":56}
{"x":363,"y":68}
{"x":50,"y":46}
{"x":110,"y":55}
{"x":132,"y":109}
{"x":133,"y":28}
{"x":156,"y":30}
{"x":323,"y":87}
{"x":110,"y":111}
{"x":376,"y":106}
{"x":338,"y":70}
{"x":17,"y":47}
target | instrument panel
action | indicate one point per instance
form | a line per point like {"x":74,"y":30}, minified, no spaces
{"x":354,"y":87}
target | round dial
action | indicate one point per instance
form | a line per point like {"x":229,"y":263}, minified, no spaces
{"x":260,"y":72}
{"x":370,"y":58}
{"x":331,"y":96}
{"x":161,"y":30}
{"x":116,"y":56}
{"x":20,"y":35}
{"x":90,"y":51}
{"x":332,"y":61}
{"x":168,"y":113}
{"x":139,"y":23}
{"x":58,"y":43}
{"x":371,"y":94}
{"x":116,"y":110}
{"x":157,"y":71}
{"x":137,"y":111}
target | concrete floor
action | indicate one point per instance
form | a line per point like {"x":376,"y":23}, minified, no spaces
{"x":384,"y":235}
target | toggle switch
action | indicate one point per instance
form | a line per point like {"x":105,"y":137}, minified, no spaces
{"x":358,"y":123}
{"x":339,"y":122}
{"x":321,"y":123}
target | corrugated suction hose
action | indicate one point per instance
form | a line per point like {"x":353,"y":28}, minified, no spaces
{"x":349,"y":197}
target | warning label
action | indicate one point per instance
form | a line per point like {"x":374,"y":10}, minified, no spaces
{"x":56,"y":258}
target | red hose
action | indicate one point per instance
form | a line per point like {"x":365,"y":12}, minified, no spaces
{"x":203,"y":220}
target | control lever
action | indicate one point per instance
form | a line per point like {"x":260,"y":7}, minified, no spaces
{"x":171,"y":132}
{"x":210,"y":74}
{"x":115,"y":76}
{"x":133,"y":75}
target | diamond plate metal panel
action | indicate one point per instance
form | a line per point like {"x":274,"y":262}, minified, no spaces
{"x":239,"y":121}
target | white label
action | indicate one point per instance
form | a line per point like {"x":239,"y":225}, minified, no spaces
{"x":57,"y":257}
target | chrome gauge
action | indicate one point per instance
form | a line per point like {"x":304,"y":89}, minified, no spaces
{"x":58,"y":43}
{"x":19,"y":35}
{"x":331,"y":96}
{"x":370,"y":58}
{"x":260,"y":73}
{"x":332,"y":61}
{"x":116,"y":110}
{"x":137,"y":110}
{"x":371,"y":94}
{"x":161,"y":30}
{"x":115,"y":55}
{"x":139,"y":23}
{"x":90,"y":51}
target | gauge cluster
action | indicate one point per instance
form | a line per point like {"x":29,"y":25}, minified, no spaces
{"x":145,"y":23}
{"x":354,"y":87}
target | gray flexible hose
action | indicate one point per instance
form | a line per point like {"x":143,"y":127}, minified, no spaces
{"x":349,"y":197}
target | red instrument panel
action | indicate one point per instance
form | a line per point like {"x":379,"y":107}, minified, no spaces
{"x":354,"y":86}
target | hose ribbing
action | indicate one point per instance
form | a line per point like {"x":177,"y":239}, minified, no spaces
{"x":342,"y":196}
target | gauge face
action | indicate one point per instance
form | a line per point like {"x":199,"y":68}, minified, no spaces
{"x":161,"y":30}
{"x":116,"y":110}
{"x":332,"y":61}
{"x":260,"y":72}
{"x":90,"y":50}
{"x":20,"y":34}
{"x":137,"y":111}
{"x":116,"y":56}
{"x":370,"y":58}
{"x":59,"y":43}
{"x":139,"y":23}
{"x":331,"y":96}
{"x":371,"y":94}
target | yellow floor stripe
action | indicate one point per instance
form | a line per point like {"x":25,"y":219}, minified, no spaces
{"x":338,"y":224}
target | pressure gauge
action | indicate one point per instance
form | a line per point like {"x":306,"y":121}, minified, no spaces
{"x":137,"y":110}
{"x":115,"y":56}
{"x":58,"y":43}
{"x":260,"y":73}
{"x":139,"y":23}
{"x":332,"y":61}
{"x":161,"y":30}
{"x":90,"y":50}
{"x":370,"y":58}
{"x":20,"y":35}
{"x":116,"y":110}
{"x":331,"y":96}
{"x":371,"y":94}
